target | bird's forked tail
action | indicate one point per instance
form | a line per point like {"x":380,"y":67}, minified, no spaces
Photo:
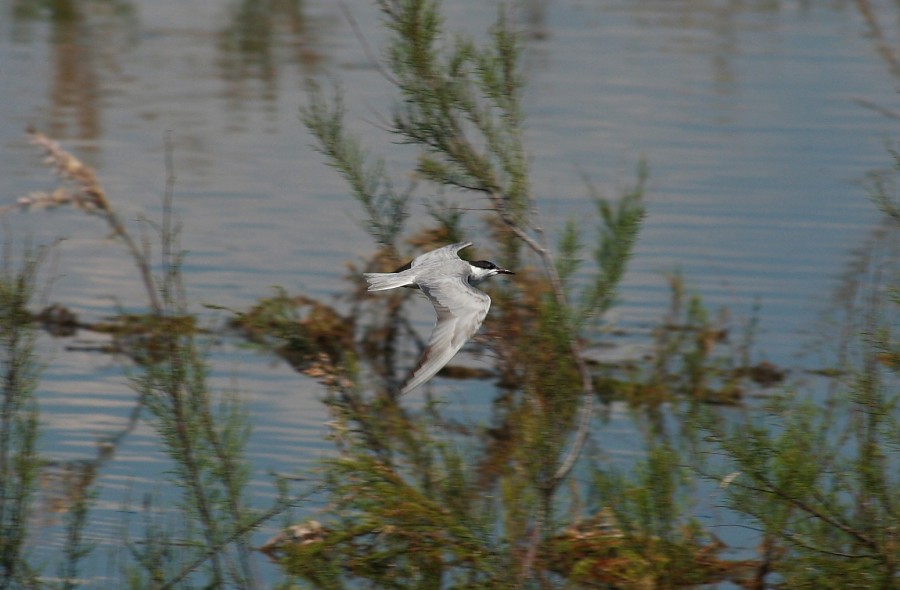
{"x":380,"y":281}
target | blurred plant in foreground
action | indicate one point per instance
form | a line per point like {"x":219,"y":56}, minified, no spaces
{"x":418,"y":500}
{"x":19,"y":460}
{"x":821,"y":477}
{"x":203,"y":433}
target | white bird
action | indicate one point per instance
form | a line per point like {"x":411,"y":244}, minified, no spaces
{"x":446,"y":279}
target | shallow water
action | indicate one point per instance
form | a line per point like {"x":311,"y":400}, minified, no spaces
{"x":748,"y":114}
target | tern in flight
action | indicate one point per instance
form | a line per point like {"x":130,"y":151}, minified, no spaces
{"x":447,"y":280}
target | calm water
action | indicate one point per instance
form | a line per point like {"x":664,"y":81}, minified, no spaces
{"x":748,"y":114}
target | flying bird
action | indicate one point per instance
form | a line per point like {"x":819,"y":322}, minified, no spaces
{"x":447,"y":280}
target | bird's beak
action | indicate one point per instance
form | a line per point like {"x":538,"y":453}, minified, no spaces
{"x":503,"y":271}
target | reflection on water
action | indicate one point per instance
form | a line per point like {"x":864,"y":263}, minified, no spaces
{"x":713,"y":30}
{"x":84,"y":39}
{"x":745,"y":111}
{"x":255,"y":32}
{"x":88,"y":41}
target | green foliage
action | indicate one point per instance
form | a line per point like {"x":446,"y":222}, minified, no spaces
{"x":408,"y":519}
{"x":649,"y":508}
{"x":410,"y":510}
{"x":569,"y":258}
{"x":695,"y":355}
{"x":19,"y":460}
{"x":829,"y":504}
{"x":76,"y":548}
{"x":821,"y":479}
{"x":667,"y":550}
{"x":616,"y":236}
{"x":883,"y":187}
{"x":386,"y":209}
{"x":461,"y":103}
{"x":204,"y":434}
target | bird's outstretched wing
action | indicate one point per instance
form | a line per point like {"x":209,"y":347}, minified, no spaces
{"x":450,"y":252}
{"x":460,"y":311}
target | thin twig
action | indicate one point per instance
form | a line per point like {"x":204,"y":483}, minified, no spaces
{"x":215,"y":548}
{"x":808,"y":509}
{"x":587,"y":383}
{"x":166,"y":230}
{"x":885,"y":49}
{"x":882,"y":110}
{"x":793,"y":538}
{"x":367,"y":49}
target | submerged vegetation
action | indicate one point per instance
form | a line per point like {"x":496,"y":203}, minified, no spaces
{"x":524,"y":497}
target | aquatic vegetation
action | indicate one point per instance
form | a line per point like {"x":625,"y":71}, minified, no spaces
{"x":203,"y":432}
{"x":819,"y":477}
{"x":298,"y":328}
{"x":695,"y":355}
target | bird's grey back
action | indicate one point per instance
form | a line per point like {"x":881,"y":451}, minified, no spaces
{"x":441,"y":269}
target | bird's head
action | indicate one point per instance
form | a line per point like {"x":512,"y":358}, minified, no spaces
{"x":483,"y":269}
